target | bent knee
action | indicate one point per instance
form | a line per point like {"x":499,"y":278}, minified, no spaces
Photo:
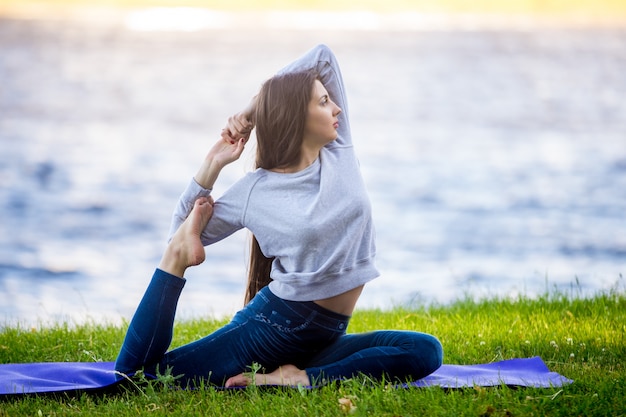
{"x":428,"y":351}
{"x":437,"y":353}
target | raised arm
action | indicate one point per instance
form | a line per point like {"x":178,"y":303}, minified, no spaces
{"x":320,"y":59}
{"x":240,"y":125}
{"x":223,"y":152}
{"x":323,"y":61}
{"x":235,"y":135}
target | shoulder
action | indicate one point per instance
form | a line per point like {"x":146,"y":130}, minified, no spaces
{"x":251,"y":179}
{"x":244,"y":185}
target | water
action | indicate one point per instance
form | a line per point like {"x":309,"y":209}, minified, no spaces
{"x":495,"y":159}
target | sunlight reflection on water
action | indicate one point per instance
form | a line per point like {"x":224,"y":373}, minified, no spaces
{"x":190,"y":19}
{"x":186,"y":19}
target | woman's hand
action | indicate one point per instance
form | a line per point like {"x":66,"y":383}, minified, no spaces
{"x":226,"y":151}
{"x":240,"y":125}
{"x":221,"y":154}
{"x":229,"y":147}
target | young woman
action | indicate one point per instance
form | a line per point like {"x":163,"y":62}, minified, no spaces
{"x":313,"y":250}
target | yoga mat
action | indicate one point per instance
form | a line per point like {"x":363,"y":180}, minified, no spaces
{"x":527,"y":372}
{"x":51,"y":377}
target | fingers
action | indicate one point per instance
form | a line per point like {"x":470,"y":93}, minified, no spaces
{"x":201,"y":201}
{"x":238,"y":127}
{"x":232,"y":137}
{"x":240,"y":146}
{"x":241,"y":124}
{"x":239,"y":143}
{"x":238,"y":150}
{"x":227,"y":136}
{"x":237,"y":381}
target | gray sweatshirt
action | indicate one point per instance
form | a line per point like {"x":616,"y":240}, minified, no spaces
{"x":316,"y":223}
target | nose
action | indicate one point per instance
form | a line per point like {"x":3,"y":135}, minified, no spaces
{"x":337,"y":110}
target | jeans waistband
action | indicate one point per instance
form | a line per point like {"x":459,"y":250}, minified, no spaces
{"x":323,"y":316}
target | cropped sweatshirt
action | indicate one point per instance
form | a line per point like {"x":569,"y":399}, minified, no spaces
{"x":315,"y":223}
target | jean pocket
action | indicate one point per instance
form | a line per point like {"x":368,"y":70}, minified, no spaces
{"x":283,"y":323}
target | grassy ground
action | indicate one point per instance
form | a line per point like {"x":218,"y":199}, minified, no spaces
{"x":583,"y":339}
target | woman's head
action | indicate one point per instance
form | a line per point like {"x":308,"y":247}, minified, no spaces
{"x":281,"y":113}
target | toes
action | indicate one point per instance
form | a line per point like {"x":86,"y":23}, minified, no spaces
{"x":237,"y":381}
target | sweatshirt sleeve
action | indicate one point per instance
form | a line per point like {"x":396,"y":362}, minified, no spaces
{"x":322,"y":60}
{"x":227,"y":214}
{"x":185,"y":204}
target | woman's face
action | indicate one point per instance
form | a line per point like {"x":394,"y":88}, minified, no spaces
{"x":321,"y":121}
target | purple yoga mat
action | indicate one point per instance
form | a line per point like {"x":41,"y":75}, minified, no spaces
{"x":49,"y":377}
{"x":528,"y":372}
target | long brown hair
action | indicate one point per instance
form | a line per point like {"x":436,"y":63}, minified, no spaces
{"x":281,"y":111}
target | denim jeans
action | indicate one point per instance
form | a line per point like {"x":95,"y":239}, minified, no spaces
{"x":271,"y":332}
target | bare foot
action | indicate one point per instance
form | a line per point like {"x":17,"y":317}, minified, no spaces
{"x":185,"y":249}
{"x":287,"y":375}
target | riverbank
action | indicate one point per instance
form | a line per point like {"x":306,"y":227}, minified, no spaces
{"x":582,"y":339}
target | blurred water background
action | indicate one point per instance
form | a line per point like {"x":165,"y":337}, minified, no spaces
{"x":495,"y":155}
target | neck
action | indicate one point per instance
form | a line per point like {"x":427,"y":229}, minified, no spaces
{"x":307,"y":157}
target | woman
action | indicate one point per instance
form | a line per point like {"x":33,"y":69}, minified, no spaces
{"x":313,"y":250}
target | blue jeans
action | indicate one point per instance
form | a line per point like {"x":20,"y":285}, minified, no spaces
{"x":271,"y":332}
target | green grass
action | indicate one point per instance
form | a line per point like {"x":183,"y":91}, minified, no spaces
{"x":583,"y":339}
